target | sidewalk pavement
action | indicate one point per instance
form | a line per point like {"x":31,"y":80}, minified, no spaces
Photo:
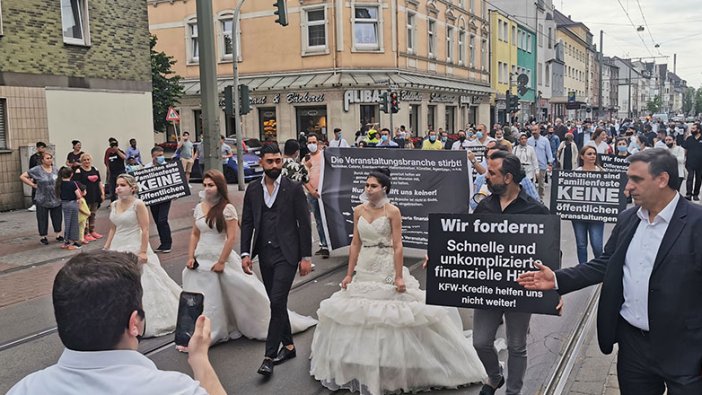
{"x":28,"y":268}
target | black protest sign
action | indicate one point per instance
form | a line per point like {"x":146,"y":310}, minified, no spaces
{"x":614,"y":162}
{"x":158,"y":184}
{"x":479,"y":152}
{"x":474,"y":260}
{"x":588,"y":195}
{"x":423,"y":182}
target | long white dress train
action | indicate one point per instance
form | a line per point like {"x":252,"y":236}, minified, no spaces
{"x":235,"y":302}
{"x":161,"y":293}
{"x":373,"y":340}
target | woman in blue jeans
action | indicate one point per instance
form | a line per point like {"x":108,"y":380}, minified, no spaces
{"x":595,"y":229}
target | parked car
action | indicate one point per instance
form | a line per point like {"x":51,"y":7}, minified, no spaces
{"x":252,"y":164}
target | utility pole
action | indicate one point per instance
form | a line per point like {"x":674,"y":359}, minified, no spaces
{"x":630,"y":65}
{"x":208,"y":86}
{"x":601,"y":58}
{"x":235,"y":99}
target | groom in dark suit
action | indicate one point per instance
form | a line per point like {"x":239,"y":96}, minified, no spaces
{"x":651,"y":275}
{"x":276,"y":226}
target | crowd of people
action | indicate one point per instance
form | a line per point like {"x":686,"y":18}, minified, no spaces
{"x":368,"y":333}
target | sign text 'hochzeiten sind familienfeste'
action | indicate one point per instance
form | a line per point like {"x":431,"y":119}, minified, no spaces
{"x":158,"y":184}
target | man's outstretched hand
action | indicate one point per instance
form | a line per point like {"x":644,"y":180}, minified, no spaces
{"x":544,"y":279}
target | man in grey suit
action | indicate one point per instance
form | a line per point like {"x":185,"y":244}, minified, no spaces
{"x":276,"y":226}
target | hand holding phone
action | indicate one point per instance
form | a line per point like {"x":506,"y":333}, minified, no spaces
{"x":189,"y":309}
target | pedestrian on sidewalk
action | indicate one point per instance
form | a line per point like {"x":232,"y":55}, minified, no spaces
{"x":83,"y":215}
{"x":89,"y":176}
{"x":133,"y":151}
{"x":114,"y":160}
{"x":35,"y":160}
{"x":160,"y":210}
{"x":68,"y":191}
{"x":187,"y":154}
{"x":314,"y":166}
{"x":73,"y":157}
{"x":581,"y":228}
{"x":43,"y":178}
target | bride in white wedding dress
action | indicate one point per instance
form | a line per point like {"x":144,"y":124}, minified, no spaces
{"x":129,"y":232}
{"x":235,"y":302}
{"x":377,"y":335}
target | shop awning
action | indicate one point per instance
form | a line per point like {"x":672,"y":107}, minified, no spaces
{"x":347,"y":80}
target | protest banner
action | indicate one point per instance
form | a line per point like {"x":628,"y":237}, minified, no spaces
{"x":588,"y":195}
{"x":474,"y":260}
{"x":614,"y":162}
{"x":479,"y":152}
{"x":423,"y":182}
{"x":158,"y":184}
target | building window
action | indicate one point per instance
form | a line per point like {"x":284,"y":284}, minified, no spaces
{"x":462,"y":47}
{"x":366,"y":28}
{"x":514,"y":35}
{"x":483,"y":54}
{"x":450,"y":126}
{"x":315,"y":30}
{"x":74,"y":17}
{"x":267,"y":124}
{"x":193,"y":46}
{"x":549,"y":38}
{"x":432,"y":37}
{"x":500,"y":73}
{"x":547,"y":77}
{"x":226,"y":24}
{"x":540,"y":35}
{"x":449,"y":44}
{"x":499,"y":29}
{"x":539,"y":73}
{"x":3,"y":123}
{"x":414,"y":119}
{"x":431,"y":117}
{"x":472,"y":7}
{"x":410,"y":33}
{"x":471,"y":48}
{"x":312,"y":120}
{"x":0,"y":17}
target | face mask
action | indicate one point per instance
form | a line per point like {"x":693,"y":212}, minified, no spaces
{"x":444,"y":139}
{"x":462,"y":138}
{"x":479,"y":135}
{"x":470,"y":134}
{"x":622,"y":148}
{"x":123,"y":192}
{"x":432,"y":138}
{"x":384,"y":138}
{"x":273,"y":173}
{"x":161,"y":160}
{"x":312,"y":148}
{"x":669,"y":145}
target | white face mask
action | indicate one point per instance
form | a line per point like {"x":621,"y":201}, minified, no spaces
{"x":312,"y":148}
{"x":123,"y":192}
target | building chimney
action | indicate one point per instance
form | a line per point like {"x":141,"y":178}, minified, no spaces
{"x":675,"y":63}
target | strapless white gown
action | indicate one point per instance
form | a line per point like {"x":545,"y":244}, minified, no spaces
{"x":161,"y":293}
{"x":374,"y":340}
{"x":235,"y":302}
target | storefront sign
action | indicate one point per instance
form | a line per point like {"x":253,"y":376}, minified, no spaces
{"x":410,"y":96}
{"x":588,"y":195}
{"x":474,"y":260}
{"x":256,"y":100}
{"x":297,"y":98}
{"x":423,"y":182}
{"x":442,"y":98}
{"x":360,"y":96}
{"x":158,"y":184}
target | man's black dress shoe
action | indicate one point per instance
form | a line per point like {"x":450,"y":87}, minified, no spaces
{"x":283,"y":355}
{"x":266,"y":368}
{"x":490,"y":390}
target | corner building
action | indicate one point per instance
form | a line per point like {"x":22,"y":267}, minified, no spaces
{"x":328,"y":67}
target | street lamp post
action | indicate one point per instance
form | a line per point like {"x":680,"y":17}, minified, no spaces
{"x":235,"y":99}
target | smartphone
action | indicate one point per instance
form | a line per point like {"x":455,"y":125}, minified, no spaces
{"x":189,"y":308}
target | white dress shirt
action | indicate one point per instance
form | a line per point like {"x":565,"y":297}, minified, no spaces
{"x":339,"y":143}
{"x":638,"y":264}
{"x":106,"y":372}
{"x":269,"y":198}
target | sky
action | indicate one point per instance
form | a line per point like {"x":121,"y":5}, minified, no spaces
{"x":673,"y":24}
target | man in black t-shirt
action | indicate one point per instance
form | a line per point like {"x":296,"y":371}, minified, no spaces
{"x":114,"y":158}
{"x":693,"y":163}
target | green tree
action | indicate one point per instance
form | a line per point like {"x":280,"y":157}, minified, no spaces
{"x":654,"y":105}
{"x":698,"y":102}
{"x":166,"y":88}
{"x":688,"y":100}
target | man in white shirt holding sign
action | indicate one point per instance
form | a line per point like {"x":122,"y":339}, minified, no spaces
{"x":97,"y":304}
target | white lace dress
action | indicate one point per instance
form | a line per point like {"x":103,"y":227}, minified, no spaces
{"x":373,"y":340}
{"x":161,"y":293}
{"x":235,"y":302}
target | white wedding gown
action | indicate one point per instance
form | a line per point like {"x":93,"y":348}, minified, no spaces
{"x":161,"y":293}
{"x":235,"y":302}
{"x":373,"y":340}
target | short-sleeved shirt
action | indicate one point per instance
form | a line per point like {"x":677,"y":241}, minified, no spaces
{"x":106,"y":372}
{"x":115,"y":163}
{"x":186,"y":150}
{"x":295,"y":171}
{"x":134,"y":153}
{"x":46,"y":186}
{"x":91,"y":179}
{"x":74,"y":159}
{"x":226,"y":150}
{"x":694,"y":152}
{"x":68,"y":190}
{"x":523,"y":204}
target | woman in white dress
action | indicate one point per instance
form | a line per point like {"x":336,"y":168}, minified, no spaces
{"x":235,"y":302}
{"x":129,"y":232}
{"x":377,"y":335}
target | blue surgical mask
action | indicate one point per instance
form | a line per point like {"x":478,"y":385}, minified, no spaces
{"x":432,"y":138}
{"x":384,"y":137}
{"x":479,"y":135}
{"x":161,"y":160}
{"x":469,"y":134}
{"x":622,"y":148}
{"x":444,"y":139}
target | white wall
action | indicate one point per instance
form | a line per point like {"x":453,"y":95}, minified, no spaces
{"x":93,"y":116}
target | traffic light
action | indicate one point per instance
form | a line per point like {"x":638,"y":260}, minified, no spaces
{"x":384,"y":102}
{"x":282,"y":12}
{"x":394,"y":103}
{"x":512,"y":102}
{"x":244,"y":99}
{"x":229,"y":101}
